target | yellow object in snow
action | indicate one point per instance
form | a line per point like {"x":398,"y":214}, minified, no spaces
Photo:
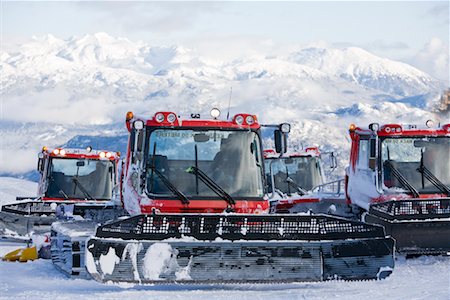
{"x":22,"y":255}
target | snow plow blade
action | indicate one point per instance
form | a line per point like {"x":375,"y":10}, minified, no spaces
{"x":19,"y":220}
{"x":238,"y":249}
{"x":418,"y":226}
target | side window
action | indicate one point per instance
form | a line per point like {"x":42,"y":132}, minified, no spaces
{"x":363,"y":154}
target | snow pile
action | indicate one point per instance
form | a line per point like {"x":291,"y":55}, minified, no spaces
{"x":10,"y":188}
{"x":132,"y":250}
{"x":109,"y":261}
{"x":160,"y":260}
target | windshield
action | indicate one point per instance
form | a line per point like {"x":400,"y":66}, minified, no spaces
{"x":304,"y":171}
{"x":405,"y":155}
{"x":230,"y":158}
{"x":80,"y":179}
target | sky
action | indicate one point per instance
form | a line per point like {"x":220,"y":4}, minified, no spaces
{"x":415,"y":32}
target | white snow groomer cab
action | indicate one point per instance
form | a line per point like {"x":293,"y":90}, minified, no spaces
{"x":72,"y":182}
{"x":400,"y":175}
{"x":196,"y":191}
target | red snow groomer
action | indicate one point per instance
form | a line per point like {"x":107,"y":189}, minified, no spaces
{"x":72,"y":182}
{"x":400,"y":175}
{"x":297,"y":183}
{"x":291,"y":177}
{"x":197,"y":194}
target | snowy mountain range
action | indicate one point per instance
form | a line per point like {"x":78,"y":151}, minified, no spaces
{"x":54,"y":90}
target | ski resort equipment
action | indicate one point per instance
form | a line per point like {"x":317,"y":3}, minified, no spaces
{"x":196,"y":192}
{"x":72,"y":182}
{"x":22,"y":255}
{"x":400,"y":175}
{"x":299,"y":181}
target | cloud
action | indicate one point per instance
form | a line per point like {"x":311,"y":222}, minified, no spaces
{"x":152,"y":17}
{"x":433,"y":58}
{"x":440,"y":13}
{"x":383,"y":45}
{"x":65,"y":108}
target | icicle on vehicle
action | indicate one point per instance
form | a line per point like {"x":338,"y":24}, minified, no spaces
{"x":72,"y":182}
{"x":196,"y":191}
{"x":399,"y":176}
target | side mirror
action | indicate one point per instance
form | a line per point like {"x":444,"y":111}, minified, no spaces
{"x":372,"y":153}
{"x":40,"y":165}
{"x":333,"y":161}
{"x":288,"y":161}
{"x":420,"y":143}
{"x":201,"y":137}
{"x":140,"y":141}
{"x":280,"y":141}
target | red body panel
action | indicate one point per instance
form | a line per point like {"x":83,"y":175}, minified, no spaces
{"x":288,"y":204}
{"x":205,"y":206}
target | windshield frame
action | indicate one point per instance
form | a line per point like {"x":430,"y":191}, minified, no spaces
{"x":48,"y":176}
{"x":146,"y":154}
{"x":381,"y":172}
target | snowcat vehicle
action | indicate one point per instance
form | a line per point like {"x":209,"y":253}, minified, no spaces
{"x":297,"y":182}
{"x":72,"y":182}
{"x":196,"y":191}
{"x":399,"y":177}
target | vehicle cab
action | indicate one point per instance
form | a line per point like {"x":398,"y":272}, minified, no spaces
{"x":77,"y":175}
{"x":293,"y":172}
{"x":395,"y":162}
{"x":193,"y":165}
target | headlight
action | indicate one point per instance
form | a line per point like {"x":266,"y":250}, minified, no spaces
{"x":171,"y":118}
{"x":285,"y":127}
{"x":249,"y":120}
{"x":215,"y":113}
{"x":138,"y":125}
{"x":430,"y":123}
{"x":159,"y":117}
{"x":239,"y":120}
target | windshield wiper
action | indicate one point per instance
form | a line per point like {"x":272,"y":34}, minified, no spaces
{"x":432,"y":178}
{"x":60,"y":190}
{"x":299,"y":189}
{"x":211,"y":184}
{"x":403,"y":181}
{"x":82,"y":189}
{"x":170,"y":185}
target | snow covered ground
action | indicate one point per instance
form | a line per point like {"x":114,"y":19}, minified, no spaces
{"x":422,"y":278}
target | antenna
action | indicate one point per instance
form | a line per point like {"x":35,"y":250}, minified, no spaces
{"x":229,"y":103}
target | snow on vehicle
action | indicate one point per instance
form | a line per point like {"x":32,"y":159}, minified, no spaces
{"x":72,"y":182}
{"x":300,"y":182}
{"x":196,"y":191}
{"x":400,"y":175}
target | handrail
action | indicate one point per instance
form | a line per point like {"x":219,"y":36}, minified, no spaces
{"x":337,"y":187}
